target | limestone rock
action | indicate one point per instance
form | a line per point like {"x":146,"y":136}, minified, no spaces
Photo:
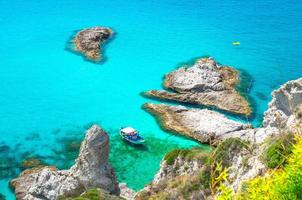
{"x":285,"y":109}
{"x":89,"y":41}
{"x":205,"y":83}
{"x":200,"y":124}
{"x":180,"y":167}
{"x":91,"y":170}
{"x":243,"y":162}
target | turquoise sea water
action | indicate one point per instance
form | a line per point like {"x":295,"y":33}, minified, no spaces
{"x":49,"y":96}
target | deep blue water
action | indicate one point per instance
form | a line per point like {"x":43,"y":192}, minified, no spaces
{"x":49,"y":95}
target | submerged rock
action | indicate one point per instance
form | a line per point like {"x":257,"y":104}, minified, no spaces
{"x":91,"y":170}
{"x":89,"y":41}
{"x":2,"y":197}
{"x":31,"y":163}
{"x":8,"y":165}
{"x":205,"y":83}
{"x":200,"y":124}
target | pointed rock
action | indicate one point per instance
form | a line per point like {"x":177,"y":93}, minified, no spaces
{"x":91,"y":170}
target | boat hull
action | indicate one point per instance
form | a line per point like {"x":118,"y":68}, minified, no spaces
{"x":136,"y":142}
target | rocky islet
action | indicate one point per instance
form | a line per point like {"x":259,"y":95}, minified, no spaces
{"x":205,"y":83}
{"x":89,"y":42}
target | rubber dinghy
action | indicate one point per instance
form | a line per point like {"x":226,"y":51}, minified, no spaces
{"x":131,"y":135}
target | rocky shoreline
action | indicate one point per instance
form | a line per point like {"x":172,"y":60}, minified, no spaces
{"x":89,"y":42}
{"x":205,"y":83}
{"x":240,"y":151}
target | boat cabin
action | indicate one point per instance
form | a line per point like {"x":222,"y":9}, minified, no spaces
{"x":129,"y":131}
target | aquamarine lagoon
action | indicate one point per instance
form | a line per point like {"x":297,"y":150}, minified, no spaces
{"x":49,"y":95}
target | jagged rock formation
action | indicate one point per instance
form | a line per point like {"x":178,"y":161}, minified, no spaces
{"x":205,"y":83}
{"x":89,"y":41}
{"x":286,"y":106}
{"x":91,"y":170}
{"x":200,"y":124}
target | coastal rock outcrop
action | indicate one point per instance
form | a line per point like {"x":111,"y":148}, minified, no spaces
{"x":240,"y":151}
{"x":202,"y":125}
{"x":89,"y":41}
{"x":285,"y":109}
{"x":205,"y":83}
{"x":91,"y":170}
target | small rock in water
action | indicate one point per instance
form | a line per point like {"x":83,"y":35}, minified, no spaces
{"x":8,"y":167}
{"x":89,"y":42}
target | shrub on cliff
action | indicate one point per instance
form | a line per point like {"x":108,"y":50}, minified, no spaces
{"x":281,"y":184}
{"x":94,"y":194}
{"x":279,"y":149}
{"x":223,"y":153}
{"x":188,"y":154}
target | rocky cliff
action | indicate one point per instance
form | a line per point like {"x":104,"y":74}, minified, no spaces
{"x":285,"y":109}
{"x":242,"y":152}
{"x":91,"y":170}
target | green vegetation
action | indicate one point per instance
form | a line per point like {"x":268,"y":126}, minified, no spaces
{"x":223,"y":153}
{"x":180,"y":187}
{"x":94,"y":194}
{"x":188,"y":154}
{"x":284,"y":183}
{"x":279,"y":149}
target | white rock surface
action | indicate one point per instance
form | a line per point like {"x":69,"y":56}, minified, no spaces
{"x":204,"y":83}
{"x":201,"y":124}
{"x":202,"y":76}
{"x":283,"y":108}
{"x":208,"y":123}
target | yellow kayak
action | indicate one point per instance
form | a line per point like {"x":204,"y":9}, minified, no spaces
{"x":236,"y":43}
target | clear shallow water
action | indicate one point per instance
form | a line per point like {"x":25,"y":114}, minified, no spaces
{"x":49,"y":95}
